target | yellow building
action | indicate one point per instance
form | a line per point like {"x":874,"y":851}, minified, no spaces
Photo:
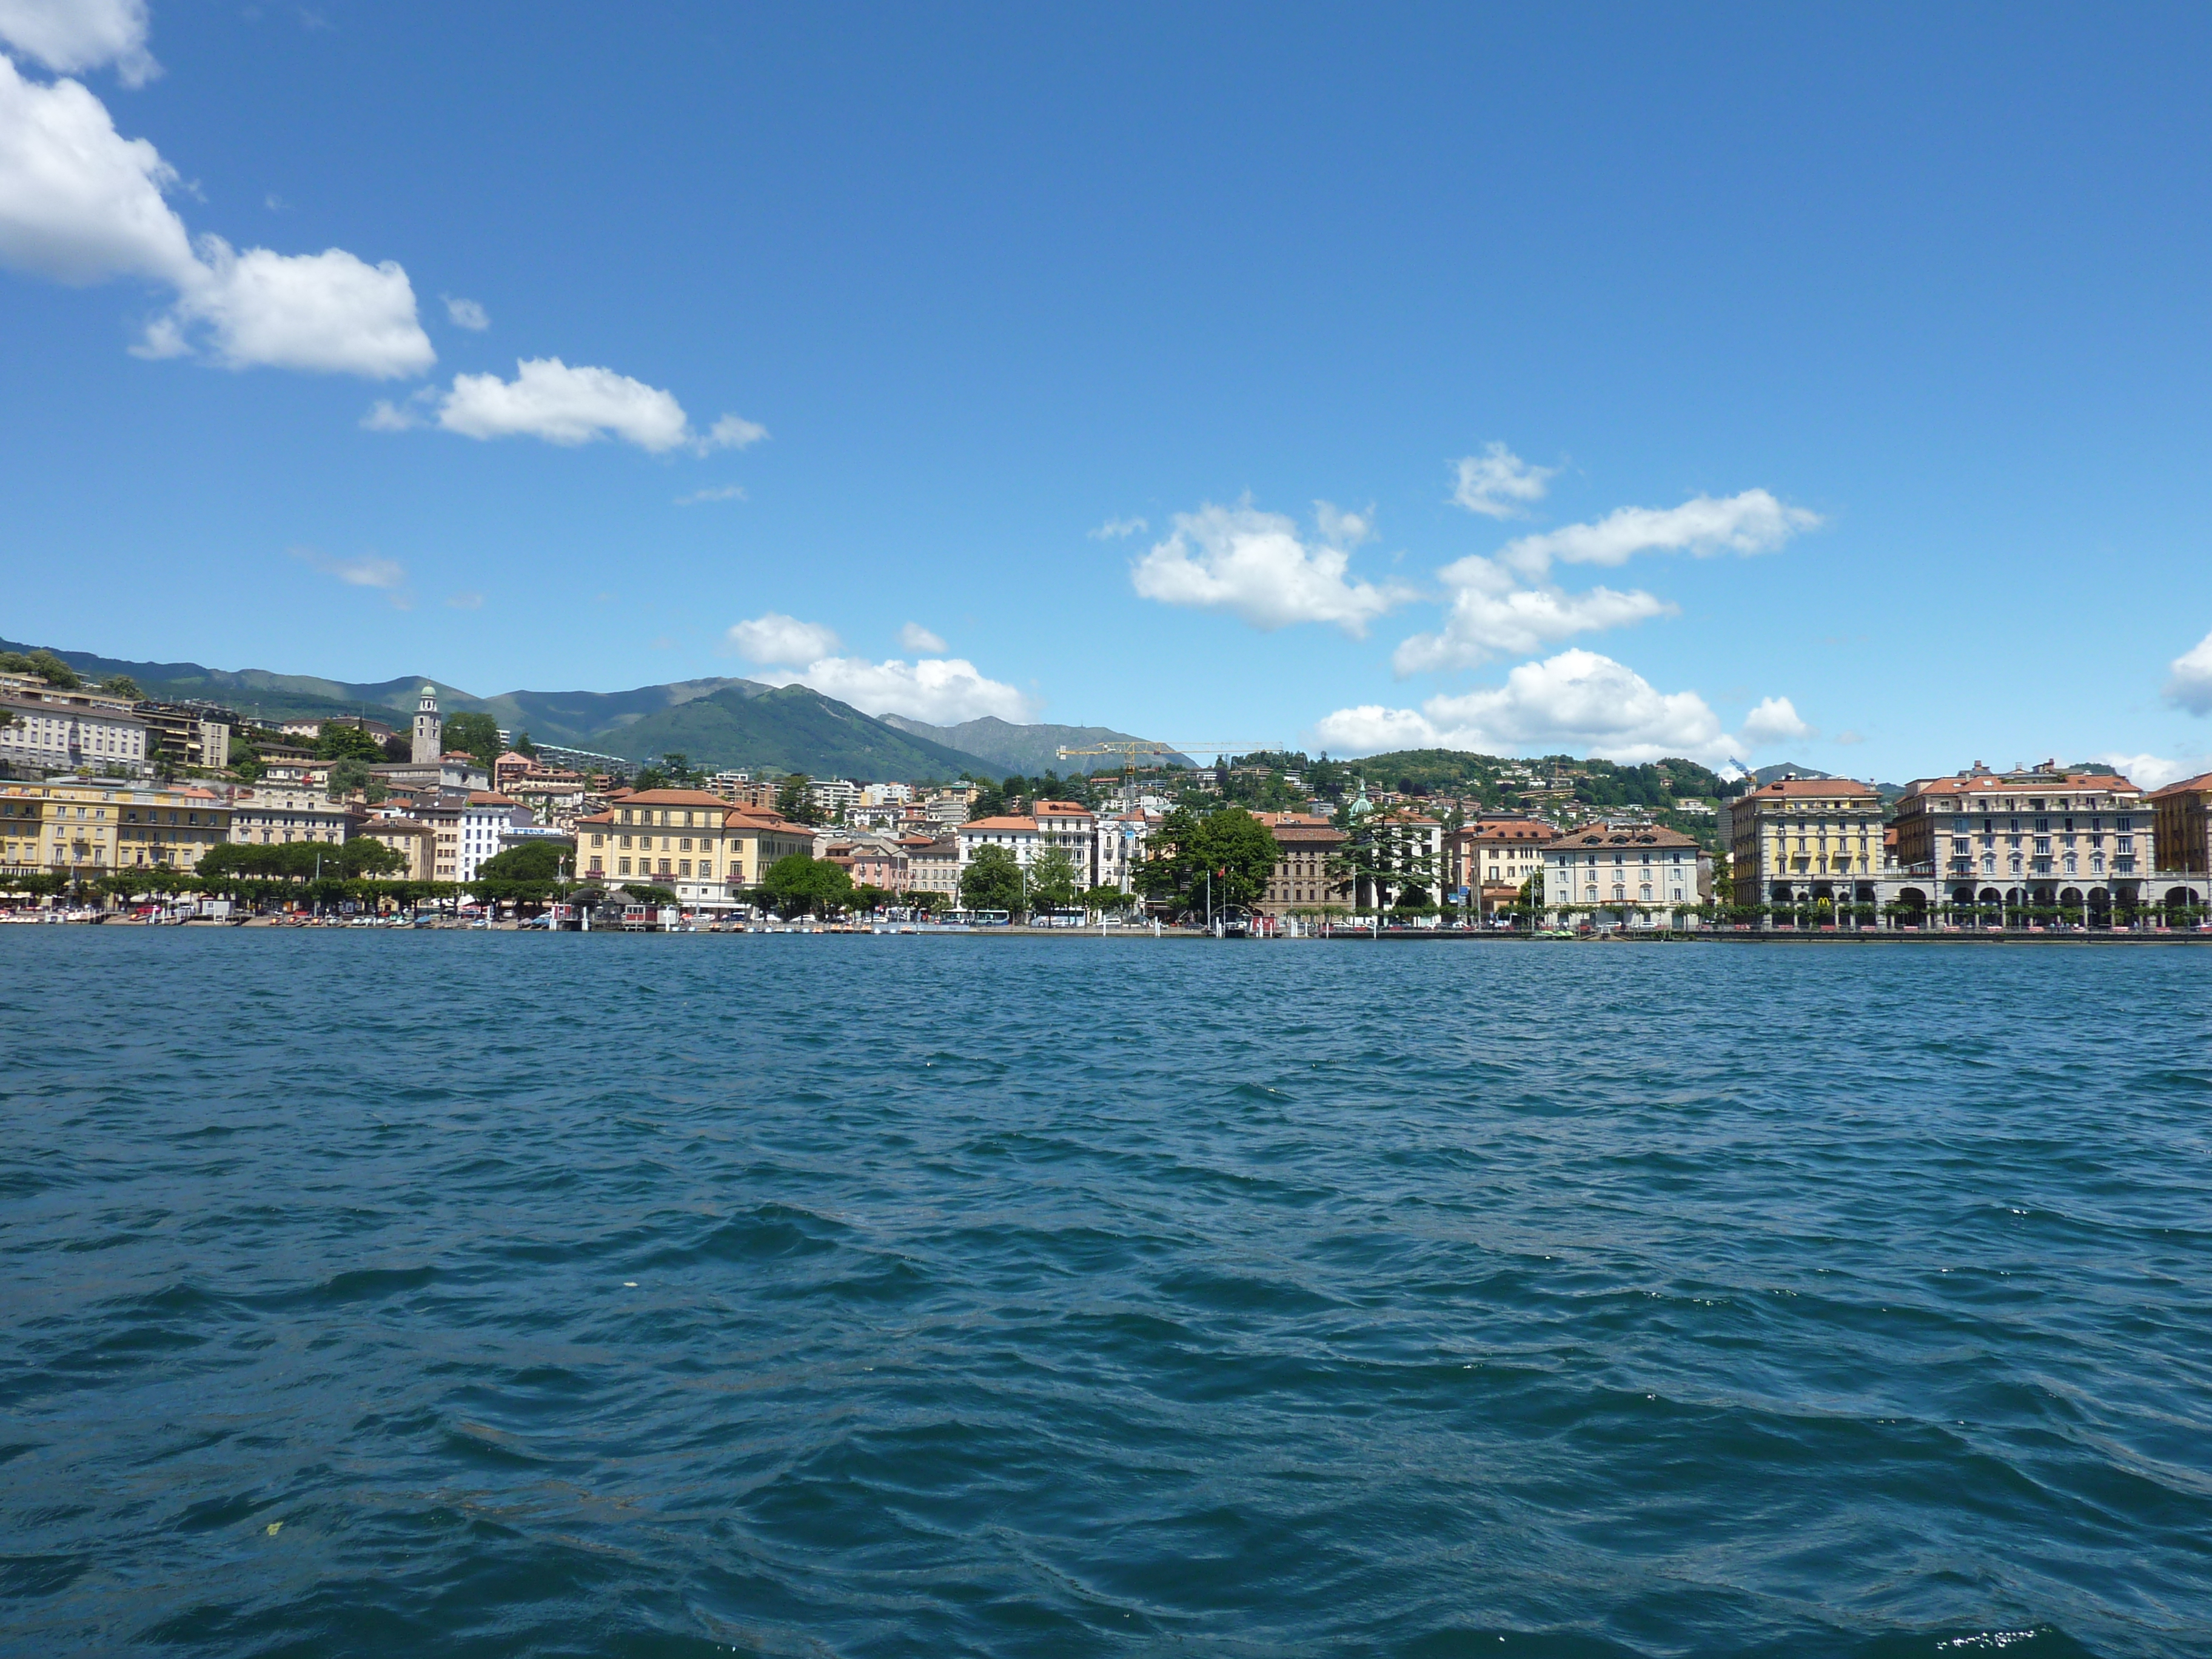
{"x":1801,"y":840}
{"x":93,"y":828}
{"x":413,"y":840}
{"x":689,"y":840}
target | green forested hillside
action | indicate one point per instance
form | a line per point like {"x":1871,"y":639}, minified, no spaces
{"x":789,"y":729}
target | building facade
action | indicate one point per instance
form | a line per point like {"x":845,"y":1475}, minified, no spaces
{"x":265,"y":816}
{"x":1018,"y":836}
{"x":1492,"y":859}
{"x":689,"y":840}
{"x":1120,"y":840}
{"x":1630,"y":875}
{"x":2034,"y":837}
{"x":57,"y":730}
{"x":1799,"y":841}
{"x":414,"y":842}
{"x":1308,"y":874}
{"x":93,"y":830}
{"x":1066,"y":827}
{"x":2181,"y":823}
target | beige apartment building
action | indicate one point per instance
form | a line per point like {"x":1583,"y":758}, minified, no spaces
{"x":1630,"y":874}
{"x":1069,"y":829}
{"x":2035,"y":836}
{"x":265,"y":817}
{"x":413,"y":840}
{"x":688,"y":839}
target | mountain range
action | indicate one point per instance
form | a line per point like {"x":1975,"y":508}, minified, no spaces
{"x":720,"y":722}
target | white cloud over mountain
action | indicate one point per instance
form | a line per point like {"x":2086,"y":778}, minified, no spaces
{"x":777,"y":638}
{"x":1499,"y":485}
{"x":1258,"y":567}
{"x":72,"y":36}
{"x":2189,"y":678}
{"x":1576,"y":701}
{"x":943,"y":690}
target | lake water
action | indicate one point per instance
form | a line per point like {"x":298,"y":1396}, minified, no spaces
{"x":453,"y":1293}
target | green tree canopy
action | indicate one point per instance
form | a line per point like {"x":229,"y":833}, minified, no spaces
{"x":992,"y":881}
{"x":1107,"y":899}
{"x":524,"y":746}
{"x":476,"y":734}
{"x":336,"y":742}
{"x":348,"y":775}
{"x":298,"y":861}
{"x":533,"y":860}
{"x":529,"y":874}
{"x":1054,"y":880}
{"x":1231,"y":843}
{"x":798,"y":884}
{"x":122,"y":685}
{"x":794,"y":801}
{"x":46,"y":665}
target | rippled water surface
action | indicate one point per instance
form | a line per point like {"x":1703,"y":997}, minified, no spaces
{"x":469,"y":1294}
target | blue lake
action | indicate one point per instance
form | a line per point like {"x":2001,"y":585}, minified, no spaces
{"x":497,"y":1294}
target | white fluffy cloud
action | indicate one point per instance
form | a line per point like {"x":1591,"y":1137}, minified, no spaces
{"x":1753,"y":522}
{"x":1493,"y":614}
{"x":326,"y":312}
{"x":1775,"y":721}
{"x":466,"y":314}
{"x":1114,"y":529}
{"x":1575,"y":702}
{"x":80,"y":204}
{"x":2189,"y":678}
{"x":777,"y":638}
{"x":549,"y":399}
{"x":1255,"y":565}
{"x":72,"y":36}
{"x":1497,"y":483}
{"x":943,"y":690}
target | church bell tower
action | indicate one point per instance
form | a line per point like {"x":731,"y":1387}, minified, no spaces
{"x":429,"y":729}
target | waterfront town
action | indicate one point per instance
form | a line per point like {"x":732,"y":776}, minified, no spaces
{"x":117,"y":805}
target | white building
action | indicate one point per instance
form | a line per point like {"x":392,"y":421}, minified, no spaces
{"x":1018,"y":836}
{"x":1066,"y":827}
{"x":487,"y":819}
{"x":55,"y":731}
{"x":833,"y":794}
{"x":886,"y":794}
{"x":1120,"y":841}
{"x":275,"y":816}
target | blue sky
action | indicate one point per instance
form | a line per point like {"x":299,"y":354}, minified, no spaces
{"x":1831,"y":384}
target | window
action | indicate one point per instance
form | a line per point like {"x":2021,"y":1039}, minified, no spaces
{"x":621,"y":865}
